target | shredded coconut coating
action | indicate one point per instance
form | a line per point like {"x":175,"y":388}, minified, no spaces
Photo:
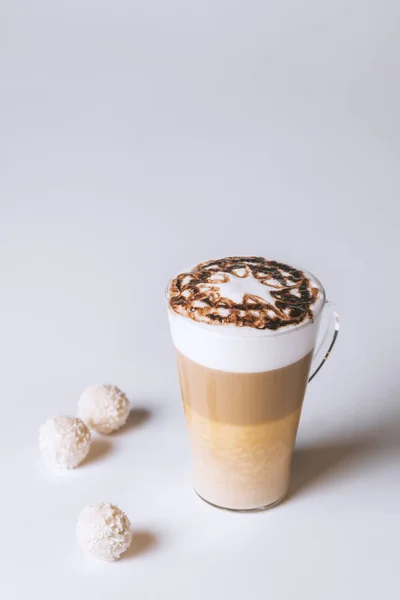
{"x":104,"y":531}
{"x":64,"y":441}
{"x":104,"y":408}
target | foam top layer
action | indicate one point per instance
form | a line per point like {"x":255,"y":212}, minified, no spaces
{"x":234,"y":313}
{"x":246,"y":291}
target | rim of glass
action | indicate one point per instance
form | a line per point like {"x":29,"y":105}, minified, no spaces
{"x":213,"y":329}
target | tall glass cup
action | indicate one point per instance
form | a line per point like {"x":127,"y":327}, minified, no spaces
{"x":242,"y":392}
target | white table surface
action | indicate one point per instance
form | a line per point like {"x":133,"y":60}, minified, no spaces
{"x":139,"y":137}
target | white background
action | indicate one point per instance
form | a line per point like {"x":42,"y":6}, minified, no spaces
{"x":137,"y":137}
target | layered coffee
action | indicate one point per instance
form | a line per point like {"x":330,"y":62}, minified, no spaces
{"x":244,"y":329}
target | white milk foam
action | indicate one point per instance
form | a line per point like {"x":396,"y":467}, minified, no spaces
{"x":235,"y":288}
{"x":245,"y":349}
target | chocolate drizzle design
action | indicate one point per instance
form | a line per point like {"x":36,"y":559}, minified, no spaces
{"x":197,"y":294}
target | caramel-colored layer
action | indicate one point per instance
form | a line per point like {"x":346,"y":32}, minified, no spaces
{"x":243,"y":398}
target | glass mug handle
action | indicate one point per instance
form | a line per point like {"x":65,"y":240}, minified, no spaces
{"x":330,"y":330}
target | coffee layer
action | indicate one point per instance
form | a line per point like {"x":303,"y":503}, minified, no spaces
{"x":242,"y":428}
{"x":243,"y":398}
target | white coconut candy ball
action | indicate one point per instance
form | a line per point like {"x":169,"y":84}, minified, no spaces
{"x":104,"y":531}
{"x":104,"y":408}
{"x":64,"y":441}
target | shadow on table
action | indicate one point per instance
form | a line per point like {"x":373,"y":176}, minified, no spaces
{"x":143,"y":541}
{"x":315,"y":463}
{"x":136,"y":418}
{"x":100,"y":448}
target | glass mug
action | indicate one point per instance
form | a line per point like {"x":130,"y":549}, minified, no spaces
{"x":243,"y":417}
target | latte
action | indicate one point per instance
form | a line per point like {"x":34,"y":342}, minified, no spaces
{"x":244,"y":329}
